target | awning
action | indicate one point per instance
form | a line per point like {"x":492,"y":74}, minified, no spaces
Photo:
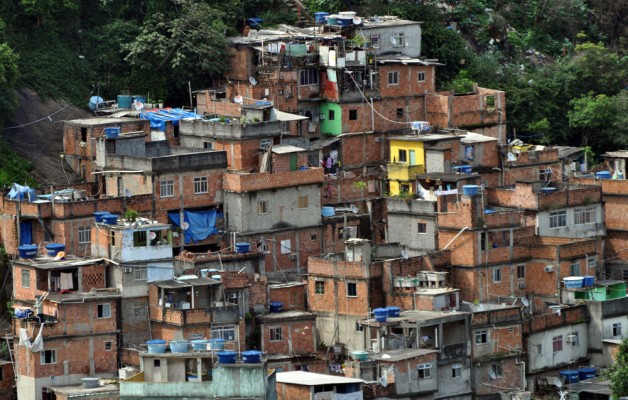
{"x":284,"y":116}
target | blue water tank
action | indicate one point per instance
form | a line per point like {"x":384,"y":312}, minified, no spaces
{"x":603,"y":175}
{"x":95,"y":102}
{"x":252,"y":356}
{"x":227,"y":357}
{"x":125,"y":101}
{"x":380,"y":314}
{"x":111,"y":132}
{"x":470,"y":190}
{"x":242,"y":247}
{"x":255,"y":22}
{"x":320,"y":17}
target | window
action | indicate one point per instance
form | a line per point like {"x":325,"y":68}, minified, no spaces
{"x":583,"y":216}
{"x":200,"y":184}
{"x":226,"y":332}
{"x":497,"y":275}
{"x":139,"y":238}
{"x":303,"y":202}
{"x":545,"y":174}
{"x":208,"y":145}
{"x":591,"y":263}
{"x":490,"y":101}
{"x":557,"y":343}
{"x":456,"y":371}
{"x":313,"y":237}
{"x":83,"y":134}
{"x":26,"y":278}
{"x":558,"y":219}
{"x":352,"y":289}
{"x":521,"y":271}
{"x":262,"y":207}
{"x":404,"y":188}
{"x":308,"y":77}
{"x":139,"y":310}
{"x":421,"y":76}
{"x":359,"y":327}
{"x":157,"y":363}
{"x":48,"y":357}
{"x":393,"y":78}
{"x":481,"y":336}
{"x":400,"y":113}
{"x":108,"y":346}
{"x":286,"y":246}
{"x":275,"y":334}
{"x":422,"y":227}
{"x":104,"y":310}
{"x":84,"y":235}
{"x":617,"y":329}
{"x":574,"y":269}
{"x":166,"y":188}
{"x":319,"y":287}
{"x":375,"y":41}
{"x":403,"y":156}
{"x":425,"y":371}
{"x":353,"y":115}
{"x":332,"y":115}
{"x":539,"y":349}
{"x":398,"y":40}
{"x":140,"y":273}
{"x":497,"y":371}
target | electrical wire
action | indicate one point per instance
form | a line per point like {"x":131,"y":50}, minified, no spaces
{"x":48,"y":117}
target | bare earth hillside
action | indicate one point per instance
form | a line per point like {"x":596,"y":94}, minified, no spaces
{"x":39,"y":139}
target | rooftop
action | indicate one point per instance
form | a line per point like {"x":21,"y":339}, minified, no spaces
{"x":186,"y":281}
{"x":106,"y":386}
{"x":101,"y":121}
{"x":72,"y":297}
{"x":294,"y":314}
{"x":617,"y":154}
{"x":401,"y":354}
{"x":69,"y":261}
{"x":313,"y":379}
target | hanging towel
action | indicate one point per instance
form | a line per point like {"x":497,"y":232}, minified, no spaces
{"x":66,"y":281}
{"x":37,"y":345}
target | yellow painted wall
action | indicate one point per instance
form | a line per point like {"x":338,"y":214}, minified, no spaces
{"x":403,"y":172}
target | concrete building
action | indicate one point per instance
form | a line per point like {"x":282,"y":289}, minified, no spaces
{"x":412,"y":224}
{"x":312,"y":386}
{"x":289,"y":337}
{"x":198,"y":375}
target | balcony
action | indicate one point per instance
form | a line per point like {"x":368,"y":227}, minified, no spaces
{"x":404,"y":172}
{"x":453,"y":351}
{"x":207,"y":315}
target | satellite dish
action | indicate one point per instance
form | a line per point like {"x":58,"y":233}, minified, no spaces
{"x":393,"y":40}
{"x":252,"y":80}
{"x":404,"y":254}
{"x":354,"y":209}
{"x":383,"y":381}
{"x":491,"y":373}
{"x":357,"y":21}
{"x":127,"y":193}
{"x":152,"y":235}
{"x":558,"y":383}
{"x":525,"y":301}
{"x":511,"y":157}
{"x":185,"y":226}
{"x":238,"y":99}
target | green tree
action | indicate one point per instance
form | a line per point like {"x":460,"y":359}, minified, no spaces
{"x":618,"y":372}
{"x":188,"y":45}
{"x":8,"y":77}
{"x":601,"y":119}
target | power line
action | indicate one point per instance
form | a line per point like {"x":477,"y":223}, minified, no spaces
{"x":48,"y":117}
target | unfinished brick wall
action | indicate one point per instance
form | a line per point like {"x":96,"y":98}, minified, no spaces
{"x":293,"y":297}
{"x":297,"y":336}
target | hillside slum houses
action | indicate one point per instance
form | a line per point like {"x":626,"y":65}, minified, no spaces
{"x":324,"y":224}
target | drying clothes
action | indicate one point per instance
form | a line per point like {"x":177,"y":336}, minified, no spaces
{"x":37,"y":345}
{"x":66,"y":282}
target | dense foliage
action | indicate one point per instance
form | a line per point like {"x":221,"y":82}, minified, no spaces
{"x":618,"y":372}
{"x":561,"y":62}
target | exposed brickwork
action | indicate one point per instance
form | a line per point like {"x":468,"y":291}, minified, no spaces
{"x":296,"y":336}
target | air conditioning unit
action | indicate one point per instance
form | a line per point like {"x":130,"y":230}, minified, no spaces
{"x":379,"y":139}
{"x":522,"y":285}
{"x":571,"y":338}
{"x":265,"y":143}
{"x":293,"y":256}
{"x":128,"y":270}
{"x":549,"y":268}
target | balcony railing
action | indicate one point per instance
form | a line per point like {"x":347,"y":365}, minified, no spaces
{"x":180,"y":317}
{"x":404,"y":172}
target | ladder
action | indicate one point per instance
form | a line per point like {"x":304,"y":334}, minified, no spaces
{"x":9,"y":340}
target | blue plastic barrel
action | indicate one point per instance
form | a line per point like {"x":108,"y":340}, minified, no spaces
{"x":470,"y":190}
{"x":110,"y":219}
{"x":603,"y":175}
{"x":95,"y":102}
{"x":320,"y":17}
{"x":111,"y":132}
{"x":156,"y":346}
{"x":199,"y":344}
{"x":569,"y":376}
{"x":587,"y":373}
{"x":276,"y":306}
{"x":98,"y":215}
{"x":466,"y":169}
{"x":242,"y":247}
{"x":380,"y":314}
{"x":328,"y":211}
{"x":54,"y":248}
{"x":139,"y":99}
{"x":345,"y":21}
{"x":393,"y":311}
{"x":252,"y":356}
{"x":217,"y":343}
{"x":588,"y":280}
{"x":255,"y":22}
{"x":179,"y":346}
{"x":125,"y":101}
{"x":27,"y":251}
{"x":227,"y":357}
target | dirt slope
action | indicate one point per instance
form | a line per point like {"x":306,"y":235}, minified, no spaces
{"x":41,"y":142}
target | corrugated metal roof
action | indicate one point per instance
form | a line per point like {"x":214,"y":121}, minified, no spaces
{"x":285,"y":149}
{"x":313,"y":379}
{"x":185,"y":283}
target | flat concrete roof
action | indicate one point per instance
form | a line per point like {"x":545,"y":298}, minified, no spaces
{"x":102,"y":121}
{"x":286,"y":285}
{"x":69,"y":261}
{"x":313,"y":379}
{"x":292,"y":314}
{"x":103,"y":294}
{"x":286,"y":148}
{"x":79,"y":391}
{"x":186,"y":283}
{"x":401,"y":354}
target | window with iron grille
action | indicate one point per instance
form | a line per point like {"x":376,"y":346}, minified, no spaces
{"x":558,"y":219}
{"x":557,"y":343}
{"x":319,"y":287}
{"x":275,"y":334}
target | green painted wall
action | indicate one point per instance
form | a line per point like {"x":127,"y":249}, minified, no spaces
{"x":329,"y":126}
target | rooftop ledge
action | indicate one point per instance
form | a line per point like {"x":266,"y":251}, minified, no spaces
{"x":247,"y":182}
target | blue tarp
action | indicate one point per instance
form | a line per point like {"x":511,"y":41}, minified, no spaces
{"x":19,"y":192}
{"x":159,"y":118}
{"x":26,"y":233}
{"x":201,"y":224}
